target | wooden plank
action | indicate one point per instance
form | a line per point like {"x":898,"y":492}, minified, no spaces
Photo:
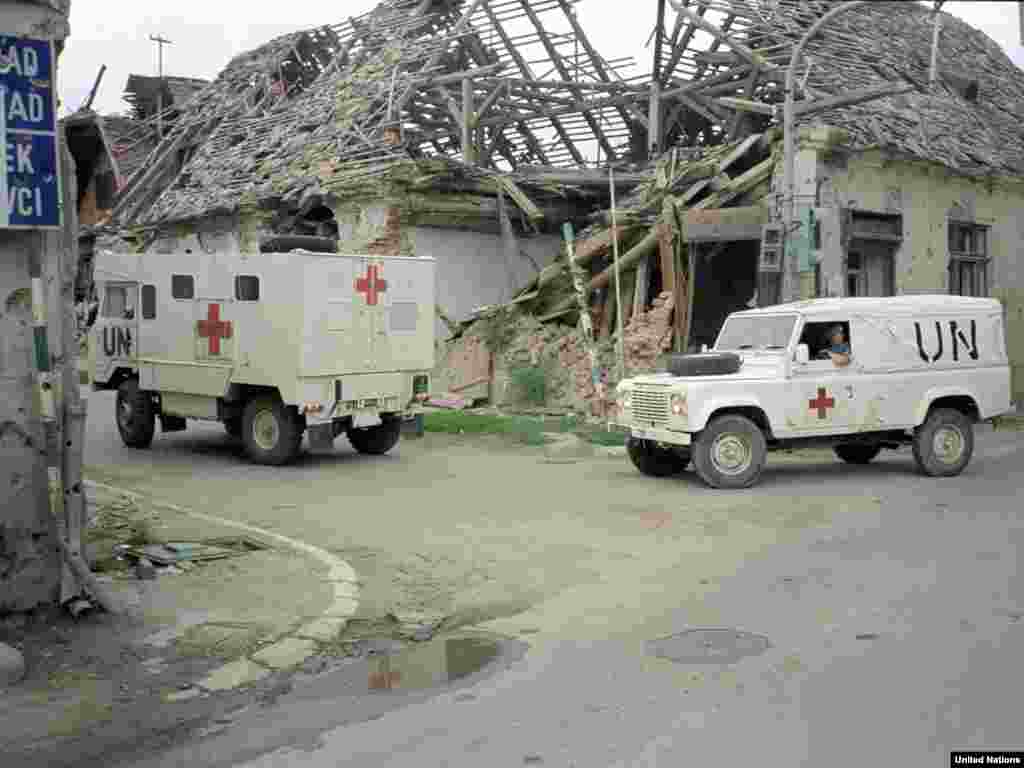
{"x":739,"y":185}
{"x":628,"y":287}
{"x":681,"y":294}
{"x":640,"y":291}
{"x":739,"y":152}
{"x":666,"y":257}
{"x":748,"y":55}
{"x":745,"y":105}
{"x":858,"y":96}
{"x":724,"y":224}
{"x":608,"y":312}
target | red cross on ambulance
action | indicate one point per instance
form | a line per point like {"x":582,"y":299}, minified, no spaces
{"x":372,"y":285}
{"x":211,"y":331}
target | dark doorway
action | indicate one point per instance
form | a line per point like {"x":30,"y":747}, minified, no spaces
{"x":726,"y":280}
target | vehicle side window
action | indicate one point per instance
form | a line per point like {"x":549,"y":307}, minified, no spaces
{"x":183,"y":287}
{"x":247,"y":288}
{"x":119,"y":302}
{"x":148,"y":302}
{"x":817,"y":337}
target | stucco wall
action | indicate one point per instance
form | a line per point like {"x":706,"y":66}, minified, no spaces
{"x":472,"y":269}
{"x":927,"y":197}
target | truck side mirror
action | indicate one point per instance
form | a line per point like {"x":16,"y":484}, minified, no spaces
{"x":803,"y":354}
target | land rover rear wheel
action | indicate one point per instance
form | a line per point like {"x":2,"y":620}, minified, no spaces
{"x":943,"y":445}
{"x":730,"y":452}
{"x":376,"y":441}
{"x":653,"y":460}
{"x":271,"y":431}
{"x":857,"y":453}
{"x":136,"y":417}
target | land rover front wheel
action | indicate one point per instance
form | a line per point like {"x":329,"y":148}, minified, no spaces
{"x":654,"y":460}
{"x":857,"y":453}
{"x":136,"y":417}
{"x":378,"y":440}
{"x":944,"y":443}
{"x":271,"y":431}
{"x":730,"y":452}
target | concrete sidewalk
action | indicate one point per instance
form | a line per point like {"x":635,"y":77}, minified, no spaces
{"x":194,"y":639}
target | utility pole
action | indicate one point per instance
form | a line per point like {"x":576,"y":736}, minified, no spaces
{"x":42,"y":415}
{"x":160,"y":43}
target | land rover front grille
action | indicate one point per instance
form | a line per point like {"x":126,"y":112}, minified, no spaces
{"x":650,"y":404}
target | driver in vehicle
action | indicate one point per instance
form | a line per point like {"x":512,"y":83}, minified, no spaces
{"x":839,"y":351}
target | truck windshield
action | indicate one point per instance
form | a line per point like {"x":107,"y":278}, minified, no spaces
{"x":764,"y":332}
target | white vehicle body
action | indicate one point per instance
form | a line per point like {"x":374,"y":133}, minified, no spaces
{"x":908,"y":356}
{"x":342,"y":340}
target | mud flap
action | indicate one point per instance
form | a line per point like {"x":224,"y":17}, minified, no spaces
{"x":413,"y":427}
{"x":172,"y":423}
{"x":320,"y":436}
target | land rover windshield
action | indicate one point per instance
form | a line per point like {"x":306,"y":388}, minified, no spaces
{"x":756,"y":332}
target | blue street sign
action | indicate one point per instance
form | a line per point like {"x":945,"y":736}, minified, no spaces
{"x":30,"y":194}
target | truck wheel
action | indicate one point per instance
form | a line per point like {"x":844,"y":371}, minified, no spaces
{"x":857,"y":453}
{"x":271,"y":433}
{"x":653,"y":460}
{"x":730,"y":452}
{"x":136,"y":417}
{"x":376,"y":441}
{"x":943,"y":445}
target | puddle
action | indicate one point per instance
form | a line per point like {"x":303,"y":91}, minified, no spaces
{"x":709,"y":646}
{"x":430,"y":664}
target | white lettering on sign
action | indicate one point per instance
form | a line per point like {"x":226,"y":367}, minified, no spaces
{"x":19,"y":158}
{"x":25,"y":201}
{"x":21,"y":61}
{"x":34,"y":111}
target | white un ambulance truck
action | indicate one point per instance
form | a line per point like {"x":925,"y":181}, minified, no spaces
{"x":273,"y":345}
{"x":917,"y":370}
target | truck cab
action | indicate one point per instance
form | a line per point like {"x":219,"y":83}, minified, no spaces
{"x":860,"y":375}
{"x":273,"y":345}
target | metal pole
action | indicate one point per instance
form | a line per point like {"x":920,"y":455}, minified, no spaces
{"x":160,"y":43}
{"x":791,"y":269}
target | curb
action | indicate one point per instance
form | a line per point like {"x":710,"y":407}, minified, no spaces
{"x":289,"y":650}
{"x":12,"y":666}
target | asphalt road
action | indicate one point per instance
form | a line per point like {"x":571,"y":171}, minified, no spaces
{"x":892,"y":603}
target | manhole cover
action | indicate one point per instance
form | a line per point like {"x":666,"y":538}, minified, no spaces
{"x":709,"y":646}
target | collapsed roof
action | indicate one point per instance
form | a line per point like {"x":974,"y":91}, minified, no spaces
{"x":457,"y":79}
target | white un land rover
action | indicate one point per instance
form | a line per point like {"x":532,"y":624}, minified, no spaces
{"x":857,"y":374}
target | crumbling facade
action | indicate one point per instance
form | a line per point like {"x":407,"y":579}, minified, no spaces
{"x":425,"y":128}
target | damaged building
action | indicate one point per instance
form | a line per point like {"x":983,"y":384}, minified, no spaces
{"x":474,"y":130}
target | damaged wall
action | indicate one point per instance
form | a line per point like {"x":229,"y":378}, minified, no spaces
{"x":928,"y":197}
{"x":559,"y":350}
{"x":473,"y":270}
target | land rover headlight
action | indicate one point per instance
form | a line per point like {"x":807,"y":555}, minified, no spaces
{"x":678,"y":405}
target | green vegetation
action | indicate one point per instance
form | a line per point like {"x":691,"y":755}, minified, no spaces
{"x":524,"y":429}
{"x":530,"y":384}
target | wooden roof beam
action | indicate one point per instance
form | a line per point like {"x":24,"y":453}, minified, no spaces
{"x":596,"y":60}
{"x":556,"y":59}
{"x":680,"y":47}
{"x":528,"y":74}
{"x":748,"y":55}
